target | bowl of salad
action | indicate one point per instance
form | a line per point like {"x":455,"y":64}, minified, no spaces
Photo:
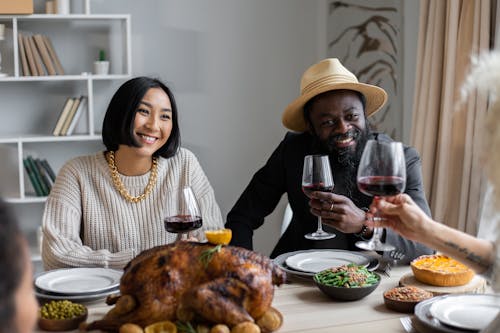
{"x":347,"y":282}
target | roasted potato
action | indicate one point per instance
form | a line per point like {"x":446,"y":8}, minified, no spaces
{"x":220,"y":328}
{"x":131,"y":328}
{"x":246,"y":327}
{"x":270,"y":321}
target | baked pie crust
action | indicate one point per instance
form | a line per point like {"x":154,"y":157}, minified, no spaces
{"x":441,"y":270}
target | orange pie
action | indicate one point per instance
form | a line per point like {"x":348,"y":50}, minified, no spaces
{"x":440,"y":270}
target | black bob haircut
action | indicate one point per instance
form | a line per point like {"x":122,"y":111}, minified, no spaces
{"x":11,"y":246}
{"x":118,"y":124}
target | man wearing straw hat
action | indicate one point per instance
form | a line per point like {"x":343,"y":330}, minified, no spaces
{"x":329,"y":117}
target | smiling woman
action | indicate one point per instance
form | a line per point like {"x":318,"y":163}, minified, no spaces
{"x":107,"y":207}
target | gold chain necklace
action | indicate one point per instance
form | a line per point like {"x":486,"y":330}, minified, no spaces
{"x":110,"y":157}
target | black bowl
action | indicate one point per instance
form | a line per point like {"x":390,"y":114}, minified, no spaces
{"x":62,"y":324}
{"x":345,"y":293}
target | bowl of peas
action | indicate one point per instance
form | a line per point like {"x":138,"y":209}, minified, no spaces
{"x":61,"y":315}
{"x":347,"y":282}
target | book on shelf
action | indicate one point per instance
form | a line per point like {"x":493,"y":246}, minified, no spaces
{"x":76,"y":116}
{"x":29,"y":55}
{"x":33,"y":178}
{"x":53,"y":55}
{"x":49,"y":169}
{"x":40,"y":174}
{"x":62,"y":116}
{"x":71,"y":114}
{"x":44,"y":176}
{"x":44,"y":53}
{"x":32,"y":164}
{"x":36,"y":57}
{"x":22,"y":55}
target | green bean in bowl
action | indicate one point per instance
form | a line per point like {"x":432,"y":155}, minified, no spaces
{"x":347,"y":282}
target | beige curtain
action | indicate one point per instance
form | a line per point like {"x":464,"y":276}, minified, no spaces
{"x":445,"y":131}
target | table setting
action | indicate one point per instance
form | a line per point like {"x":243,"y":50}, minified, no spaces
{"x":77,"y":284}
{"x":304,"y":264}
{"x":314,"y":290}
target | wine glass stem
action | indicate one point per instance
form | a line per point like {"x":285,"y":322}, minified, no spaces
{"x":377,"y":231}
{"x":320,"y":225}
{"x":182,"y":236}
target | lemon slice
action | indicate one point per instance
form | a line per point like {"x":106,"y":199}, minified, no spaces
{"x":161,"y":327}
{"x":220,"y":236}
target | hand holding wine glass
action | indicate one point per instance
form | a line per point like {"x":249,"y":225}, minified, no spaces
{"x":317,"y":176}
{"x":381,"y":172}
{"x":187,"y":217}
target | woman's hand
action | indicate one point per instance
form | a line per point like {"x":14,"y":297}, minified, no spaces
{"x":399,"y":213}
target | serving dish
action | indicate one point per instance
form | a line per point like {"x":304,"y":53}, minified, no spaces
{"x":348,"y":293}
{"x":441,"y":270}
{"x":404,"y":299}
{"x":62,"y":324}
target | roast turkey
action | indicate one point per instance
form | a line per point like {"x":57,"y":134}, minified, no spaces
{"x":200,"y":281}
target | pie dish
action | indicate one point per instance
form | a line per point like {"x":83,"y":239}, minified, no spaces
{"x":441,"y":270}
{"x":404,"y":299}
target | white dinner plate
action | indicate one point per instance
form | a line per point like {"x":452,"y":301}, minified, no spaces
{"x":91,"y":297}
{"x":78,"y":281}
{"x":471,"y":311}
{"x":317,"y":261}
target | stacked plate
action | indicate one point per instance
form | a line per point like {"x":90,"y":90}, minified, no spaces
{"x":77,"y":284}
{"x":464,"y":313}
{"x":306,"y":263}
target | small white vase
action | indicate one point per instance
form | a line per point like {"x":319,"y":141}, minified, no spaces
{"x":101,"y":67}
{"x":62,"y":7}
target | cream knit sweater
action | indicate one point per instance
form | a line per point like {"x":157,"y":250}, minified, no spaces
{"x":86,"y":223}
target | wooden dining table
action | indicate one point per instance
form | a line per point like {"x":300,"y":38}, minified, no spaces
{"x":306,"y":309}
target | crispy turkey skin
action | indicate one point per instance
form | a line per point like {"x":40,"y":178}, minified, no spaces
{"x":229,"y":286}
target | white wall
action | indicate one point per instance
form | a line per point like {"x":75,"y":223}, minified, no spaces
{"x":233,"y":65}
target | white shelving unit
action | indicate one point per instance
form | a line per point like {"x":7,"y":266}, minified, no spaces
{"x":71,"y":34}
{"x":30,"y":105}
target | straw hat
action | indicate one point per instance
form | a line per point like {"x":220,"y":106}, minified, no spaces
{"x":326,"y":75}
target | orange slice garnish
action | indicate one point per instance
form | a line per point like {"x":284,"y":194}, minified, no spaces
{"x":219,"y":237}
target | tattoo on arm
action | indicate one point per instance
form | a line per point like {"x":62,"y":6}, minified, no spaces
{"x":471,"y":256}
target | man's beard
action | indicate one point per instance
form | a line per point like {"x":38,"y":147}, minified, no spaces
{"x":345,"y":160}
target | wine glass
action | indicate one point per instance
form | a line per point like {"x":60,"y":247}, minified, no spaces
{"x":381,"y":172}
{"x":187,"y":217}
{"x":317,"y":176}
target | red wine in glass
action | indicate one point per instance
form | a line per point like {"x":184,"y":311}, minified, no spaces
{"x":381,"y":185}
{"x":186,"y":217}
{"x":381,"y":172}
{"x":317,"y":176}
{"x":182,"y":223}
{"x":308,"y":189}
